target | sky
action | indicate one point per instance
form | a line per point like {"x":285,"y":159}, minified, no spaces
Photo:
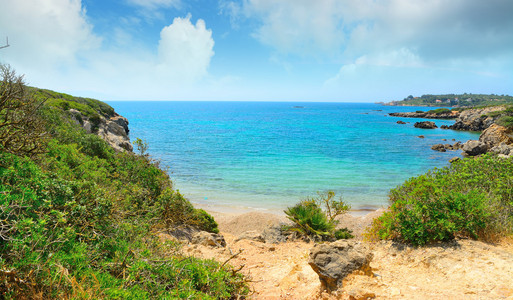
{"x":260,"y":50}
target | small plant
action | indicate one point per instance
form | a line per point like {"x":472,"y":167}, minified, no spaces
{"x":315,"y":217}
{"x":142,"y":146}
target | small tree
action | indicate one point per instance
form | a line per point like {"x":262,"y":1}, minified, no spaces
{"x":22,"y":130}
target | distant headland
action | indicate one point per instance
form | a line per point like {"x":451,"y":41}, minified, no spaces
{"x":452,"y":100}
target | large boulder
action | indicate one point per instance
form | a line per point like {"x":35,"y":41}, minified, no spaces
{"x":425,"y":125}
{"x":334,"y":261}
{"x":473,"y":148}
{"x":496,"y":135}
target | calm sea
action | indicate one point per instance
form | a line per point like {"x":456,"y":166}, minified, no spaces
{"x":268,"y":155}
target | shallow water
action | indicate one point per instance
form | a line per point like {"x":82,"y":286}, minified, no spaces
{"x":268,"y":155}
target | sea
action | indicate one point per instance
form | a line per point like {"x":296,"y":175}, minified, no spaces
{"x":266,"y":156}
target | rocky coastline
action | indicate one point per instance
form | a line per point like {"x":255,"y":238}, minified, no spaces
{"x":494,"y":137}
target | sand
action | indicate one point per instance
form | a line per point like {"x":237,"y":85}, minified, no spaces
{"x":463,"y":269}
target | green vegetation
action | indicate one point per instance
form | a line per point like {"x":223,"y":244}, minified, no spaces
{"x":315,"y":217}
{"x":459,"y":100}
{"x":439,"y":111}
{"x":79,"y":220}
{"x":471,"y":198}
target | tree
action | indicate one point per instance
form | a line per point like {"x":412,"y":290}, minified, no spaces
{"x":22,"y":129}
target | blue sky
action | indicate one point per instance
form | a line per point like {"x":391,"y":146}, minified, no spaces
{"x":260,"y":50}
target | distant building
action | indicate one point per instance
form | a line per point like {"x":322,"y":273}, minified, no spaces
{"x":438,"y":101}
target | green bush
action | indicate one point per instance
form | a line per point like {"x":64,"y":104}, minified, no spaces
{"x":310,"y":219}
{"x":472,"y":198}
{"x":80,"y":220}
{"x":439,"y":111}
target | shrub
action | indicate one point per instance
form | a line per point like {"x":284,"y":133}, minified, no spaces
{"x":472,"y":198}
{"x":439,"y":111}
{"x":315,"y":217}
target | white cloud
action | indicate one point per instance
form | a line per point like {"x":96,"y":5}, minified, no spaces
{"x":48,"y":33}
{"x":186,"y":49}
{"x":437,"y":30}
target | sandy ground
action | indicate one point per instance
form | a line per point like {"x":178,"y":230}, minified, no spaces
{"x":463,"y":269}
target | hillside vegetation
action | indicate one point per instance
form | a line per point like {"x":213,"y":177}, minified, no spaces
{"x":80,"y":220}
{"x":458,"y":100}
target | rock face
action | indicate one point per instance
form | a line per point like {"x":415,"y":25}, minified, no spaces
{"x":426,"y":115}
{"x":334,"y":261}
{"x":113,"y":130}
{"x":496,"y":135}
{"x":476,"y":119}
{"x":473,"y":148}
{"x":425,"y":125}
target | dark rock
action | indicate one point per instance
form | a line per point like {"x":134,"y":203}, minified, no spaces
{"x":334,"y":261}
{"x":445,"y":127}
{"x":400,"y":122}
{"x":454,"y":159}
{"x":473,"y":148}
{"x":438,"y":147}
{"x":426,"y":115}
{"x":425,"y":125}
{"x":421,"y":136}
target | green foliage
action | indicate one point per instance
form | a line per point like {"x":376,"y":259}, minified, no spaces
{"x":142,"y":146}
{"x":439,"y":111}
{"x":315,"y":217}
{"x":81,"y":221}
{"x":460,"y":100}
{"x":472,"y":197}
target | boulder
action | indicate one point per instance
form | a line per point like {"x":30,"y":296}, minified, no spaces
{"x":473,"y":148}
{"x":400,"y":122}
{"x":208,"y":239}
{"x":503,"y":149}
{"x":454,"y":159}
{"x":334,"y":261}
{"x":425,"y":125}
{"x":421,"y":136}
{"x":251,"y":235}
{"x":496,"y":135}
{"x":438,"y":147}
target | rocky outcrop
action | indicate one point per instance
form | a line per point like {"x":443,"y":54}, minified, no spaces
{"x":473,"y":148}
{"x":445,"y":147}
{"x":427,"y":115}
{"x":496,"y":135}
{"x":192,"y":235}
{"x":476,"y":119}
{"x":425,"y":125}
{"x":400,"y":122}
{"x":113,"y":130}
{"x":496,"y":139}
{"x":334,"y":261}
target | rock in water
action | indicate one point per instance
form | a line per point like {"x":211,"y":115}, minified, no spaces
{"x":425,"y":125}
{"x":438,"y":147}
{"x":334,"y":261}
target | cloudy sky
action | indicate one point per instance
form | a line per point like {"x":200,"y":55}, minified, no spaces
{"x":260,"y":50}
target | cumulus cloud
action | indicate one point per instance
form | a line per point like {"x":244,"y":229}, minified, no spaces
{"x":186,"y":49}
{"x":46,"y":33}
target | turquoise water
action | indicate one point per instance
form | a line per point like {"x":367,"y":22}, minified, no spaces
{"x":267,"y":155}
